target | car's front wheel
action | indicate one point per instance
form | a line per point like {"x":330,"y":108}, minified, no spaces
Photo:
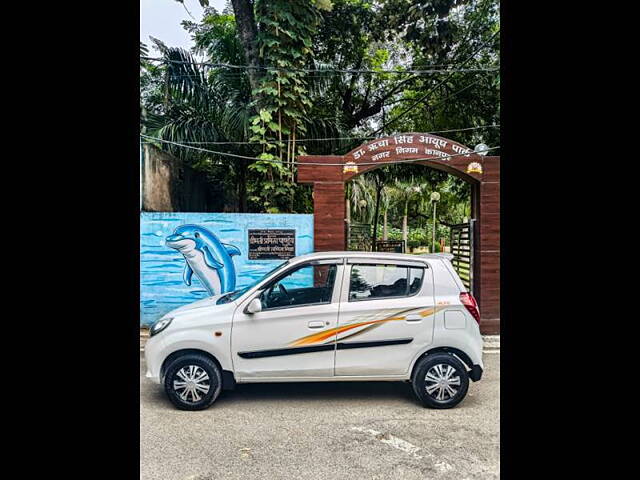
{"x":193,"y":382}
{"x":440,"y":381}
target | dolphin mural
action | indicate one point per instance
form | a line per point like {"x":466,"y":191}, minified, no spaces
{"x":206,"y":256}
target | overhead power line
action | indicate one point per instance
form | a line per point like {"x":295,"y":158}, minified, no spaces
{"x":326,"y":70}
{"x":327,"y":139}
{"x":433,"y":89}
{"x":233,"y":155}
{"x":420,"y":100}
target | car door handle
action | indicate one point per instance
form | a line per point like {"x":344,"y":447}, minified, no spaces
{"x":315,"y":324}
{"x":413,"y":318}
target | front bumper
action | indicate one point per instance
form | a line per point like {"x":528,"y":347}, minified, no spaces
{"x":155,"y":378}
{"x":153,"y":359}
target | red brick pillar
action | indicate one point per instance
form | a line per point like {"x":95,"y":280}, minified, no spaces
{"x":488,"y":247}
{"x":328,"y":216}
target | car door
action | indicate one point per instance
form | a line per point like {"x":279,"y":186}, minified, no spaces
{"x":386,"y":314}
{"x":294,"y":334}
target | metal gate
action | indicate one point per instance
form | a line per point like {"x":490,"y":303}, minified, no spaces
{"x":462,"y":249}
{"x":359,"y":237}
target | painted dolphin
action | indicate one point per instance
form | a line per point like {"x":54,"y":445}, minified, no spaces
{"x":206,"y":256}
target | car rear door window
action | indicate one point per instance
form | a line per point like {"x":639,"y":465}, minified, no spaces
{"x":370,"y":282}
{"x":415,"y":280}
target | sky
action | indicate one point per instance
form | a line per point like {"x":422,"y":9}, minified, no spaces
{"x":161,"y":19}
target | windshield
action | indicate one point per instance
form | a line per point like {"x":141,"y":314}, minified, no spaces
{"x":230,"y":297}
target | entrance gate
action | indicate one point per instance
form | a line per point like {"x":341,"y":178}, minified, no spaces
{"x":461,"y":243}
{"x":328,"y":174}
{"x":359,"y":237}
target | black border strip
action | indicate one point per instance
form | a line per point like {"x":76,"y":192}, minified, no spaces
{"x":379,"y":343}
{"x":322,"y":348}
{"x":286,"y":351}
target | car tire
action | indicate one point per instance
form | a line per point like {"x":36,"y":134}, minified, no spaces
{"x":440,"y":380}
{"x":193,"y":382}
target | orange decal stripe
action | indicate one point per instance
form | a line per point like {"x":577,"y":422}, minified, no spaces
{"x":320,"y":336}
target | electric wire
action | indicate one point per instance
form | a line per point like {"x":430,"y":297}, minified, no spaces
{"x":233,"y":155}
{"x":324,"y":70}
{"x":323,"y":139}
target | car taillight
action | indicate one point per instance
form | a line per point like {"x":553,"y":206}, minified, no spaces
{"x":468,"y":301}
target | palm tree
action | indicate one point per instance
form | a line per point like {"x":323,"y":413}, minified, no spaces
{"x":199,"y":107}
{"x":196,"y":106}
{"x":404,"y":192}
{"x":359,"y":199}
{"x":385,"y":204}
{"x":379,"y":178}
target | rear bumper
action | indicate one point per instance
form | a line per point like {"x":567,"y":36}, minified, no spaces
{"x":475,"y":373}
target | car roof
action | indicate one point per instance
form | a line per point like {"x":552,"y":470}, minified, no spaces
{"x":373,"y":256}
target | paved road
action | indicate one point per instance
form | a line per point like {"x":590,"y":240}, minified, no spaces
{"x":372,"y":430}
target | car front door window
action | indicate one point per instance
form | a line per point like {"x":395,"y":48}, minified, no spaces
{"x":304,"y":285}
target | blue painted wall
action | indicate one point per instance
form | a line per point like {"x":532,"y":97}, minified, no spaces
{"x":162,"y":287}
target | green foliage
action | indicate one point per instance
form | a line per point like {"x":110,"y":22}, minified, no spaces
{"x":467,"y":36}
{"x":187,"y":102}
{"x":326,"y":5}
{"x":283,"y":97}
{"x":419,"y":236}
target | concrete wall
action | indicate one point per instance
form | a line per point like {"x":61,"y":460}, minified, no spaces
{"x":170,"y":186}
{"x":160,"y":178}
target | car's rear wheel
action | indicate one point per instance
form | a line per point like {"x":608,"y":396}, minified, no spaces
{"x":192,"y":382}
{"x":440,"y":381}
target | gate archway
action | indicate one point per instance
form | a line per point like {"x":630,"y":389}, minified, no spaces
{"x":328,"y":174}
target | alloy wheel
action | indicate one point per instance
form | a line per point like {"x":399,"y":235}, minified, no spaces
{"x":191,"y":383}
{"x":442,"y":382}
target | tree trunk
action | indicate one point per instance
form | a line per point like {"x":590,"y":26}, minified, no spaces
{"x":292,"y":164}
{"x":248,"y":32}
{"x":347,"y":216}
{"x":347,"y":205}
{"x":242,"y":186}
{"x":405,"y":229}
{"x":375,"y":218}
{"x":385,"y":233}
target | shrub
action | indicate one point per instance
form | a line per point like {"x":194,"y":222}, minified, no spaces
{"x":412,"y":243}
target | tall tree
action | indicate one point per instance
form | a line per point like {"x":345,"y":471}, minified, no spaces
{"x":248,"y":34}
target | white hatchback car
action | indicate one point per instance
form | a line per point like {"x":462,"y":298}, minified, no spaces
{"x":328,"y":316}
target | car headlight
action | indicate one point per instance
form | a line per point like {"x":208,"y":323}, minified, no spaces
{"x":159,"y":326}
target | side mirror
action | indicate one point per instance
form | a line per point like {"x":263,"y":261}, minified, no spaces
{"x":254,"y":306}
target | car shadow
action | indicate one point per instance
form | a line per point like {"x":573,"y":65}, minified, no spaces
{"x":338,"y":392}
{"x":306,"y":392}
{"x":320,"y":392}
